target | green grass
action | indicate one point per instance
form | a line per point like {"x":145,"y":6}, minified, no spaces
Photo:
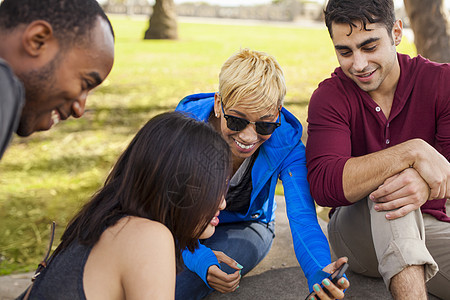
{"x":49,"y":175}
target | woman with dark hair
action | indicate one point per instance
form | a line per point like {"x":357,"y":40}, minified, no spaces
{"x":160,"y":198}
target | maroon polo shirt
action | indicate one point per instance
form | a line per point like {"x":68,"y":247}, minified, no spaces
{"x":345,"y":122}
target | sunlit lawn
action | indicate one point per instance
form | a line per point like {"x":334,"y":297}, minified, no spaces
{"x":49,"y":175}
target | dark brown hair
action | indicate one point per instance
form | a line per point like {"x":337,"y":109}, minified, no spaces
{"x":365,"y":11}
{"x":174,"y":171}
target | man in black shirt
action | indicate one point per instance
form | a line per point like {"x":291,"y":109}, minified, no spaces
{"x":52,"y":53}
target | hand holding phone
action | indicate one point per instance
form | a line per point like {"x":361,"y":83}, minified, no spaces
{"x":334,"y":277}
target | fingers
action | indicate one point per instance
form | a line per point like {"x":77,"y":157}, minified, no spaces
{"x":400,"y":207}
{"x":403,"y":211}
{"x":440,"y":185}
{"x":404,"y":193}
{"x":222,"y":257}
{"x":329,"y":291}
{"x":319,"y":293}
{"x":335,"y":265}
{"x":332,"y":290}
{"x":397,"y":208}
{"x":222,"y":281}
{"x":436,"y":192}
{"x":434,"y":169}
{"x":217,"y":275}
{"x":225,"y":287}
{"x":385,"y":192}
{"x":339,"y":262}
{"x":388,"y":187}
{"x":343,"y":283}
{"x":388,"y":194}
{"x":398,"y":203}
{"x":393,"y":187}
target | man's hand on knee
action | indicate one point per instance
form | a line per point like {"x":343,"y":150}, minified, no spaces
{"x":434,"y":169}
{"x":401,"y":194}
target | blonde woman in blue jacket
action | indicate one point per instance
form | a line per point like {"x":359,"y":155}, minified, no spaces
{"x":265,"y":141}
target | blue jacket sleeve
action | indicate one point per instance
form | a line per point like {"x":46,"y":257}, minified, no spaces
{"x":200,"y":261}
{"x":310,"y":244}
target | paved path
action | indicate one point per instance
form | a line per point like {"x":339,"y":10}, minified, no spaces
{"x":277,"y":277}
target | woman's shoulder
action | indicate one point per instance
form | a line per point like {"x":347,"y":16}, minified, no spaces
{"x":140,"y":243}
{"x":136,"y":254}
{"x":136,"y":229}
{"x":131,"y":239}
{"x":148,"y":262}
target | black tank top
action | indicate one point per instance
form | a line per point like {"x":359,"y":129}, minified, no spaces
{"x":238,"y":196}
{"x":63,"y":278}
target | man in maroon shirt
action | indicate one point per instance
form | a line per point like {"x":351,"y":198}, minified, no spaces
{"x":378,"y":151}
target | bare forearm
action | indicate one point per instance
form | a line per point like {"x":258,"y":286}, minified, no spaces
{"x":364,"y":174}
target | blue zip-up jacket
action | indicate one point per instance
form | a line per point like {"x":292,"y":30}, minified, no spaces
{"x":282,"y":157}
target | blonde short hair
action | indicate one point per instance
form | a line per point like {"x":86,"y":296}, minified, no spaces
{"x":253,"y":77}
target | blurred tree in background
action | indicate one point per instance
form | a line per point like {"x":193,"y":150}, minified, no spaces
{"x":430,"y":21}
{"x":163,"y":22}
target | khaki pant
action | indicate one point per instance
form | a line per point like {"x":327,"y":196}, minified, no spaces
{"x":377,"y":247}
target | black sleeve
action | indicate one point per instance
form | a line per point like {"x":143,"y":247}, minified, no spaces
{"x":11,"y":101}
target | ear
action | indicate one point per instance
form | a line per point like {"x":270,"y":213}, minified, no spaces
{"x":397,"y":32}
{"x":217,"y":108}
{"x":38,"y":38}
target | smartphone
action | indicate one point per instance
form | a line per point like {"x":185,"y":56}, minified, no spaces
{"x":333,"y":278}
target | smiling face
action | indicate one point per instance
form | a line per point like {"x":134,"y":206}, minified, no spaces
{"x":59,"y":89}
{"x":368,"y":57}
{"x":244,"y":143}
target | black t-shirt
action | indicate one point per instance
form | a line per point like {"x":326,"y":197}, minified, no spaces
{"x":238,"y":196}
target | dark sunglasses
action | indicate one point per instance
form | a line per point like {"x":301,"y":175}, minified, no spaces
{"x":238,"y":124}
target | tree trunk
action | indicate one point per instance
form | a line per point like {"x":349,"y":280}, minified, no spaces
{"x":163,"y":22}
{"x":430,"y":22}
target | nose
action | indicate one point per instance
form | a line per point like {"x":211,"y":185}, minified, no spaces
{"x":223,"y":204}
{"x":248,"y":134}
{"x":359,"y":61}
{"x":79,"y":104}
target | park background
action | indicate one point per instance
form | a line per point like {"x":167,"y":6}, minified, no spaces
{"x":49,"y":175}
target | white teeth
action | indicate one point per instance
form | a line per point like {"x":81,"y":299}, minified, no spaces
{"x":55,"y":117}
{"x":244,"y":146}
{"x":366,"y":75}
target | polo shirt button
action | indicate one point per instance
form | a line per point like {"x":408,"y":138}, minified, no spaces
{"x":378,"y":109}
{"x":387,"y":142}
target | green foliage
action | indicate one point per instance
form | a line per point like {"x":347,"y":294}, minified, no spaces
{"x":49,"y":175}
